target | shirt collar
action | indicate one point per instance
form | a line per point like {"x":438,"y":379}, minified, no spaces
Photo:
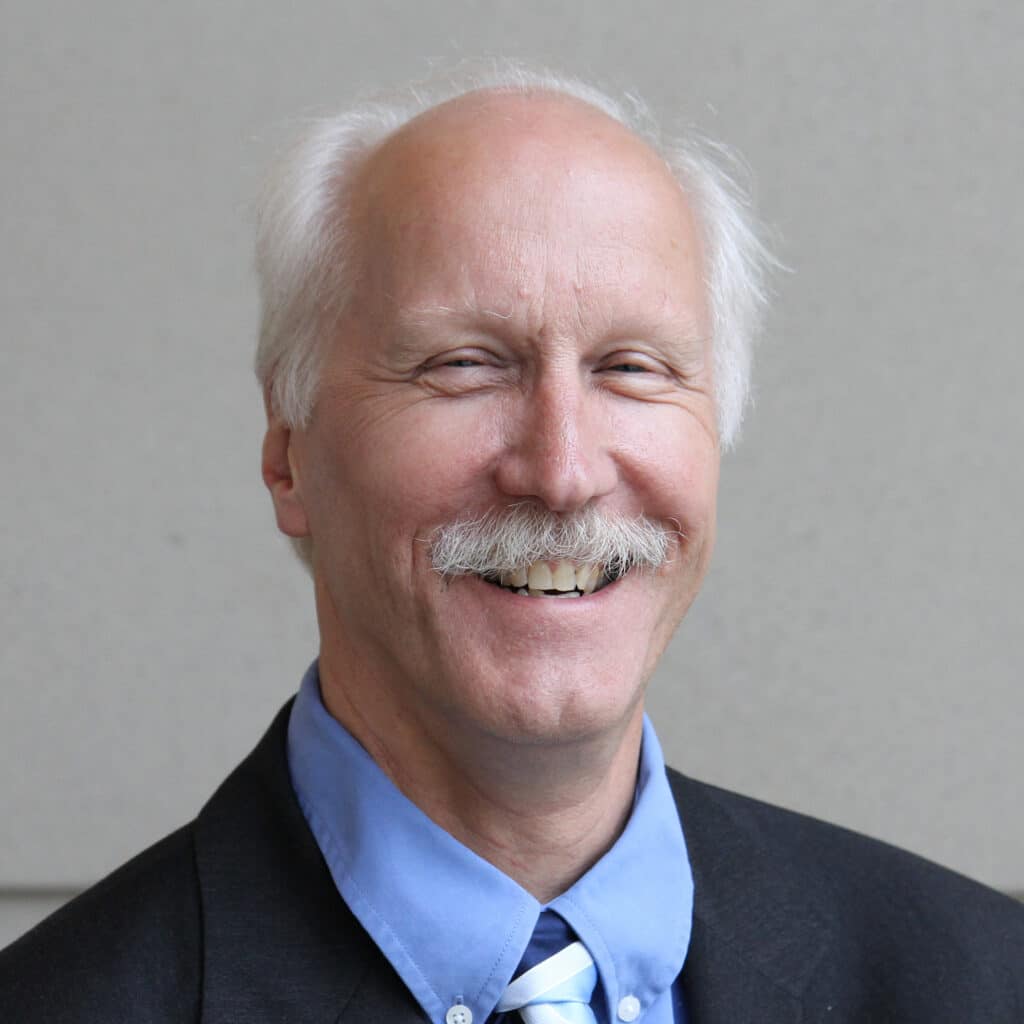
{"x":452,"y":925}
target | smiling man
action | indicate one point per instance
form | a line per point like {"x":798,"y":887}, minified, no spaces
{"x":505,"y":338}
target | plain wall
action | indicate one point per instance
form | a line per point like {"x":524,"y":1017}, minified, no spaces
{"x":857,"y":650}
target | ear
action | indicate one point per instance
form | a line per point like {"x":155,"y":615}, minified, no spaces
{"x":280,"y":474}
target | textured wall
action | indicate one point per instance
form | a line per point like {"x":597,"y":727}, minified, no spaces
{"x":857,"y":651}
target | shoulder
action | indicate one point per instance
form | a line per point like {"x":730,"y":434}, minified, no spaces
{"x":889,"y":921}
{"x":835,"y":863}
{"x":128,"y":949}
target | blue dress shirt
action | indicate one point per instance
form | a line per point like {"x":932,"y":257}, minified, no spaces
{"x":452,"y":925}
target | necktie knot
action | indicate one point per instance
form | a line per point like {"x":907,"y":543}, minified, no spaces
{"x":555,"y":991}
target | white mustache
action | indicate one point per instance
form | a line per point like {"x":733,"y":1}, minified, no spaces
{"x":512,"y":538}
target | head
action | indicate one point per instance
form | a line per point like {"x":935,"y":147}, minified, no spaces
{"x":505,"y":337}
{"x":307,"y":249}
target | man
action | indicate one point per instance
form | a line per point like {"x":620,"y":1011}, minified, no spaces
{"x":504,"y":341}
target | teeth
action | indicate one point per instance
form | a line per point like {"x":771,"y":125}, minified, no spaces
{"x":564,"y":576}
{"x":516,"y":578}
{"x":568,"y":579}
{"x":539,"y":577}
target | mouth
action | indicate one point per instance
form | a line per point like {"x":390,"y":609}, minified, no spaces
{"x":556,"y":579}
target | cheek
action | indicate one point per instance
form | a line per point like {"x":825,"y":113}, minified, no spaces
{"x":439,"y":457}
{"x":413,"y":471}
{"x":698,"y":484}
{"x":675,"y":468}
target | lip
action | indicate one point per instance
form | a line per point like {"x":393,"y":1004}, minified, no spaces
{"x":548,"y":627}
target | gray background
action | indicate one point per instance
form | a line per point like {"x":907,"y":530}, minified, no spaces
{"x":857,"y":651}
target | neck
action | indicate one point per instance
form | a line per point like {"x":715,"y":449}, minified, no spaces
{"x":542,"y":813}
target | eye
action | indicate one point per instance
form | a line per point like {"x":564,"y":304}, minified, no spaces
{"x":466,"y":370}
{"x":628,"y":368}
{"x":628,"y":364}
{"x":636,"y":373}
{"x":466,"y":358}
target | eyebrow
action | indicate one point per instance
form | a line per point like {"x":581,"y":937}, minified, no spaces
{"x":682,"y":329}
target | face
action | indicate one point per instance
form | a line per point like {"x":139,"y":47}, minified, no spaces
{"x":530,"y":326}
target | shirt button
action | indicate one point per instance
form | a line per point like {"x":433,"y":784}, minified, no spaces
{"x":629,"y":1008}
{"x":459,"y":1014}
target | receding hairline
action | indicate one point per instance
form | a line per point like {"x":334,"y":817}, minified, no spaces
{"x":431,"y":151}
{"x":495,"y":110}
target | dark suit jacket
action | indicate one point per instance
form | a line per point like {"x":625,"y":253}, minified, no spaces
{"x":234,"y":919}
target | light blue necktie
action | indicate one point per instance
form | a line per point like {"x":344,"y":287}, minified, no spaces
{"x":556,"y":991}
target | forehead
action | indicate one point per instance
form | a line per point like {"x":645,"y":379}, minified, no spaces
{"x":502,"y":199}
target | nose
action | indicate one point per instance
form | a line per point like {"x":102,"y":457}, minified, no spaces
{"x":558,"y":450}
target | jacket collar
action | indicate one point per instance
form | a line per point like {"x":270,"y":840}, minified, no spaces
{"x":278,"y":942}
{"x":757,"y":934}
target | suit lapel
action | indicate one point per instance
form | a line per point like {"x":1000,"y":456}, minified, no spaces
{"x":722,"y":986}
{"x":279,"y":943}
{"x":757,"y":938}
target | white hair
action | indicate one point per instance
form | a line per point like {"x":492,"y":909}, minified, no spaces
{"x":304,"y":244}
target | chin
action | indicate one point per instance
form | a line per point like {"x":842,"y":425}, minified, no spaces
{"x":554,"y":708}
